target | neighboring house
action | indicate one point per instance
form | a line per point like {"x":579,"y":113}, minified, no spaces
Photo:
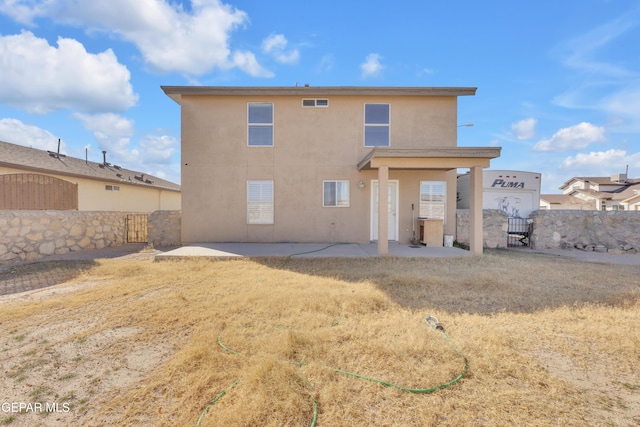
{"x":616,"y":192}
{"x":39,"y":179}
{"x":632,"y":203}
{"x":563,"y":201}
{"x":303,"y":164}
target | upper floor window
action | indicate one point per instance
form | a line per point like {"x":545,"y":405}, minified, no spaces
{"x":260,"y":124}
{"x":376,"y":125}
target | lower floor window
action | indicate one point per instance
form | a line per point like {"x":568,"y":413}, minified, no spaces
{"x":260,"y":202}
{"x":335,"y":194}
{"x":433,"y":197}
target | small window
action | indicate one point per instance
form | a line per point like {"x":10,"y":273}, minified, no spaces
{"x":433,"y":197}
{"x":376,"y":125}
{"x":335,"y":194}
{"x":260,"y":124}
{"x":260,"y":202}
{"x":108,"y":187}
{"x":315,"y":102}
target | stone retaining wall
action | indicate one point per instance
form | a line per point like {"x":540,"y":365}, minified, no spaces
{"x":29,"y":235}
{"x":164,"y":228}
{"x":605,"y":231}
{"x":494,"y":230}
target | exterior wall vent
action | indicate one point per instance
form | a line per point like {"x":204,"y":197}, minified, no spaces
{"x":310,"y":103}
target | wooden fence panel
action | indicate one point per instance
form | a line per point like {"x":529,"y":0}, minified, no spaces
{"x":26,"y":191}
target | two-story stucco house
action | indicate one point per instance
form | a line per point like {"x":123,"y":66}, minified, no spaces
{"x":304,"y":164}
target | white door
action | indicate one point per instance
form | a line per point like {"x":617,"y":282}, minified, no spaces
{"x":392,"y":207}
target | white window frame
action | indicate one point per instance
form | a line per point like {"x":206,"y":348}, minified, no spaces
{"x":377,"y":125}
{"x":260,"y":206}
{"x":341,"y":186}
{"x":428,"y":208}
{"x":323,"y":104}
{"x":258,"y":125}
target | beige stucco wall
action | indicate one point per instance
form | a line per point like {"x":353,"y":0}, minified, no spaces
{"x":92,"y":195}
{"x":310,"y":145}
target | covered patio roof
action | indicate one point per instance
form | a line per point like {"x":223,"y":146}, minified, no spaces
{"x":429,"y":158}
{"x":475,"y":158}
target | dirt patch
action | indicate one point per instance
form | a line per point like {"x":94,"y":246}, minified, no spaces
{"x":66,"y":369}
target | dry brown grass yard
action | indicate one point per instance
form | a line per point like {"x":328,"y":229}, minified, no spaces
{"x":550,"y":341}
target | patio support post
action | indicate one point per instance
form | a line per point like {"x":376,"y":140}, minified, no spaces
{"x":383,"y":211}
{"x":475,"y":211}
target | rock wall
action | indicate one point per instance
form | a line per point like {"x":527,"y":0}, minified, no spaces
{"x":164,"y":228}
{"x":604,"y":231}
{"x":494,"y":231}
{"x":29,"y":235}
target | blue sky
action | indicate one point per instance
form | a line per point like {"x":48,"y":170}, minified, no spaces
{"x":558,"y":81}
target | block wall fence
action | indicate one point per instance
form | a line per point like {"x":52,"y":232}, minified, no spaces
{"x":31,"y":235}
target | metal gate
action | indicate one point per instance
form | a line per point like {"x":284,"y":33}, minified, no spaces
{"x":519,"y":232}
{"x":137,"y":228}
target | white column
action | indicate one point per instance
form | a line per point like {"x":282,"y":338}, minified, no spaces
{"x":475,"y":211}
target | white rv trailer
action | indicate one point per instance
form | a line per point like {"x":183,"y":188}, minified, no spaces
{"x":515,"y":192}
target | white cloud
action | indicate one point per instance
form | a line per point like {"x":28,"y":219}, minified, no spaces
{"x":21,"y":11}
{"x":572,"y":138}
{"x":524,"y":129}
{"x":169,"y":37}
{"x":248,"y":63}
{"x":582,"y":50}
{"x":158,"y":149}
{"x":113,"y":133}
{"x":625,"y":102}
{"x":425,"y":72}
{"x":602,"y":81}
{"x":325,"y":65}
{"x":17,"y":132}
{"x":275,"y":45}
{"x":41,"y":78}
{"x":602,"y":163}
{"x":274,"y":42}
{"x":371,"y":66}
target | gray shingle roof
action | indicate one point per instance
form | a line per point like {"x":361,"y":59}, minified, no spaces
{"x":46,"y":162}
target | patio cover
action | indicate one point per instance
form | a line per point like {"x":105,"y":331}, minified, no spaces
{"x":474,"y":158}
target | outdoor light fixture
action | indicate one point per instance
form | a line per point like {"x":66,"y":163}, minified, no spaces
{"x":361,"y":184}
{"x":468,"y":125}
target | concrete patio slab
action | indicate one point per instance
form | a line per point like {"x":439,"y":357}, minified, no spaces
{"x":349,"y":250}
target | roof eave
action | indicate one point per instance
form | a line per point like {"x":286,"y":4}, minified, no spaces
{"x":76,"y":175}
{"x":176,"y":92}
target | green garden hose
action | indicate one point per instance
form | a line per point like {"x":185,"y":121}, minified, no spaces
{"x":431,"y":321}
{"x":286,"y":260}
